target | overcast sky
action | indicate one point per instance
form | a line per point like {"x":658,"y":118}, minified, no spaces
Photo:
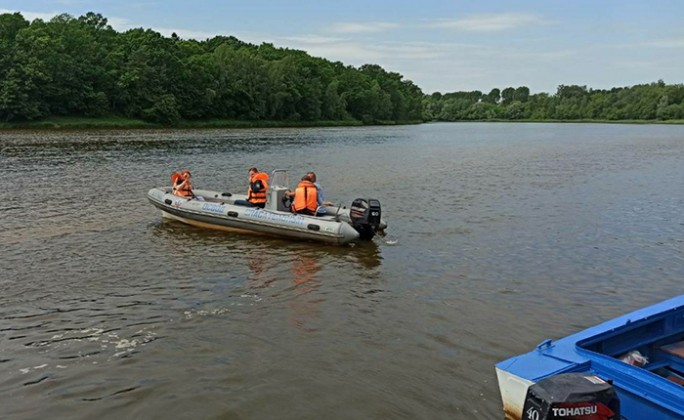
{"x":441,"y":45}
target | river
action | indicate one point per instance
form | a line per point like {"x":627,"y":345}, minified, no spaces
{"x":500,"y":236}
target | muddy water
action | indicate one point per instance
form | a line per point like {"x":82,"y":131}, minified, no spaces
{"x":501,"y":235}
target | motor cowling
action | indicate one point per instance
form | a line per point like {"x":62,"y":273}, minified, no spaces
{"x":571,"y":396}
{"x":365,"y":215}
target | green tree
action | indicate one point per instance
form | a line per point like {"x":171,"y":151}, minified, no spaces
{"x":15,"y":84}
{"x":164,"y":110}
{"x":493,"y":97}
{"x":10,"y":25}
{"x":507,"y":96}
{"x":521,"y":94}
{"x":333,"y":106}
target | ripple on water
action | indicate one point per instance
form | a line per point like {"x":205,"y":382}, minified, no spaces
{"x":499,"y":236}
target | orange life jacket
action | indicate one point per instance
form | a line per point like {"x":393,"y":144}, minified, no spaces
{"x":177,"y":178}
{"x":306,"y":198}
{"x":258,"y":197}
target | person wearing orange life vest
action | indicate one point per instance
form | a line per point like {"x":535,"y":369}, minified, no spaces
{"x":305,"y":197}
{"x":258,"y":186}
{"x":181,"y":184}
{"x":319,"y":209}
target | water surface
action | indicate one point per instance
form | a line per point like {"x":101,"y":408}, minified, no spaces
{"x":501,"y":235}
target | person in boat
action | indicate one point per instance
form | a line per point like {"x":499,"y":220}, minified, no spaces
{"x":181,"y":183}
{"x":256,"y":191}
{"x":305,"y":197}
{"x":320,"y":203}
{"x":258,"y":185}
{"x":321,"y":200}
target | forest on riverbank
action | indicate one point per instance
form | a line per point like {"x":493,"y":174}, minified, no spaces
{"x":648,"y":102}
{"x":81,"y":67}
{"x":81,"y":72}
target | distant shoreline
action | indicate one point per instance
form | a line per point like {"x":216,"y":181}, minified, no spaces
{"x":57,"y":123}
{"x":76,"y":123}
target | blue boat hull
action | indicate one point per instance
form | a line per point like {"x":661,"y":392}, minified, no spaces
{"x":652,"y":391}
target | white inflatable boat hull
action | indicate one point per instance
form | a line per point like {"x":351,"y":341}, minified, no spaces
{"x":216,"y":210}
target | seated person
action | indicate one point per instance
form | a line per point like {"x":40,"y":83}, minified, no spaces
{"x":321,"y":200}
{"x":305,"y":197}
{"x":256,"y":191}
{"x":181,"y":182}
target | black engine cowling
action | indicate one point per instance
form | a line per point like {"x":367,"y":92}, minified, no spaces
{"x":365,"y":215}
{"x":571,"y":396}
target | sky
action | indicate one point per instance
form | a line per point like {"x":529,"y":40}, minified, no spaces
{"x":440,"y":45}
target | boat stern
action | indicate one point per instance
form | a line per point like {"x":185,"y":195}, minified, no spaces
{"x":513,"y":390}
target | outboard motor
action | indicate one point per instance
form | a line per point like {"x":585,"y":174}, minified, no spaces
{"x":571,"y":396}
{"x":365,"y":217}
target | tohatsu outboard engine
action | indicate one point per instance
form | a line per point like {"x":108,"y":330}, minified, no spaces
{"x":364,"y":215}
{"x":571,"y":396}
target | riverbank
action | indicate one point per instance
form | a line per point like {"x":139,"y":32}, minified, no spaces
{"x":592,"y":121}
{"x":127,"y":123}
{"x":110,"y":123}
{"x":582,"y":121}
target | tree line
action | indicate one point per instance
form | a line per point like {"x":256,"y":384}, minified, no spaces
{"x":654,"y":101}
{"x":82,"y":67}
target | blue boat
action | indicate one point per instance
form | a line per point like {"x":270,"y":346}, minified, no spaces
{"x":640,"y":356}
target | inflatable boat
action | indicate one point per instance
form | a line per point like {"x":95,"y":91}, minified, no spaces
{"x":222,"y":211}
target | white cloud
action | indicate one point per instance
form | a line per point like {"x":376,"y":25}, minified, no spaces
{"x":667,"y":43}
{"x":447,"y":67}
{"x":411,"y":51}
{"x":357,"y":28}
{"x":313,"y":39}
{"x":71,"y":2}
{"x":489,"y":23}
{"x":30,"y":16}
{"x":347,"y":52}
{"x":185,"y":33}
{"x":119,"y":24}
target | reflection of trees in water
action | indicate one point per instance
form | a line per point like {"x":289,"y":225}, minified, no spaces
{"x":160,"y":143}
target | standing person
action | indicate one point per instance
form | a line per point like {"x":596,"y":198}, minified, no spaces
{"x":321,"y":198}
{"x":258,"y":185}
